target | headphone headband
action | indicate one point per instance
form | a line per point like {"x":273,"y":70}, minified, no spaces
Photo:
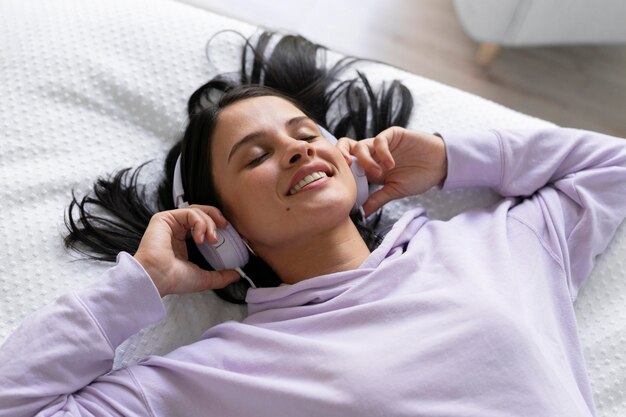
{"x":230,"y":251}
{"x":177,"y":187}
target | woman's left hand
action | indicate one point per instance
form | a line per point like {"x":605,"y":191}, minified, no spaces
{"x":405,"y":162}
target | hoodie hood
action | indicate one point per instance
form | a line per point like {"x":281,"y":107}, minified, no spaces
{"x":324,"y":288}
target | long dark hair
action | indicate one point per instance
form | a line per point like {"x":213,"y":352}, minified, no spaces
{"x":115,"y":215}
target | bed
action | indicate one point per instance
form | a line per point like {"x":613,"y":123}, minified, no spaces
{"x":89,"y":87}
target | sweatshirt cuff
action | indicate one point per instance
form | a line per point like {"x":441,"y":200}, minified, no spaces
{"x":124,"y":301}
{"x":474,"y":159}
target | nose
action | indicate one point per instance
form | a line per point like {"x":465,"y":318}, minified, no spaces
{"x":297,"y":150}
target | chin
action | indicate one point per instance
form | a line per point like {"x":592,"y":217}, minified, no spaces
{"x":336,"y":208}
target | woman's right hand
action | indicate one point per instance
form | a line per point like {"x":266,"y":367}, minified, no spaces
{"x":163,"y":251}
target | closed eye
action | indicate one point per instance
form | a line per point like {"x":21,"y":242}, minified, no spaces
{"x":256,"y":161}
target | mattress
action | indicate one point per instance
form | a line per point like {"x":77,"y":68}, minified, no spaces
{"x":89,"y":87}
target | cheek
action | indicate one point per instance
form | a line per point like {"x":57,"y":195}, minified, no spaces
{"x":249,"y":197}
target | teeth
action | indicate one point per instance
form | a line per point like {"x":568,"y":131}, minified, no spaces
{"x":307,"y":180}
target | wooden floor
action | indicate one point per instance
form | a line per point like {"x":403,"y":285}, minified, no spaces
{"x":575,"y":86}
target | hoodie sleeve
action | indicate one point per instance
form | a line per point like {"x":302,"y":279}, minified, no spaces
{"x":573,"y":185}
{"x":59,"y":361}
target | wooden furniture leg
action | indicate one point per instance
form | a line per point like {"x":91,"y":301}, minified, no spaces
{"x":486,"y":53}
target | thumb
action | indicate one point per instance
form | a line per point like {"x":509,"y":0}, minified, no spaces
{"x":377,"y":199}
{"x":198,"y":279}
{"x":220,"y":279}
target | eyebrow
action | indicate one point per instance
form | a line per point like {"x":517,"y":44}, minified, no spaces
{"x":250,"y":138}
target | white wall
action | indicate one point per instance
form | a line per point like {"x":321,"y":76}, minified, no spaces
{"x":350,"y":29}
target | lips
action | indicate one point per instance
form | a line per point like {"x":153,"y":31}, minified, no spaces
{"x":306,"y":181}
{"x":308,"y":174}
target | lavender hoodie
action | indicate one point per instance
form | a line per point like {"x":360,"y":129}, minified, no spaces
{"x":467,"y":317}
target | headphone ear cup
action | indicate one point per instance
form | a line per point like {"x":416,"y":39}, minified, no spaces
{"x":362,"y":188}
{"x":229,"y":252}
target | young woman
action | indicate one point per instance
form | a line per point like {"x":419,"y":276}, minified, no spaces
{"x":472,"y":316}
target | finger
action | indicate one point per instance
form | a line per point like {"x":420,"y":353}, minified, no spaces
{"x":181,"y":221}
{"x":364,"y":154}
{"x":214,"y":219}
{"x":382,"y":152}
{"x":203,"y":225}
{"x":200,"y":225}
{"x":167,"y":221}
{"x":213,"y":212}
{"x":345,"y":145}
{"x":208,"y":224}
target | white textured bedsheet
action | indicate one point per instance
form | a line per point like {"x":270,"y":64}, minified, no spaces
{"x":88,"y":87}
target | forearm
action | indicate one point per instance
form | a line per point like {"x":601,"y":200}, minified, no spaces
{"x":572,"y":182}
{"x":518,"y":163}
{"x":66,"y":346}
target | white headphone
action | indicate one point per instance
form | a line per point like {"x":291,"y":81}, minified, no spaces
{"x":230,"y":251}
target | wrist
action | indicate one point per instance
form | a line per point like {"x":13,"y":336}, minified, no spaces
{"x":155,"y":275}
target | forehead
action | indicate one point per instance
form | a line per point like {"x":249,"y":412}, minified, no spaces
{"x":256,"y":113}
{"x":248,"y":116}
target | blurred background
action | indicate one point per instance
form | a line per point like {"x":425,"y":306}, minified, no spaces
{"x":559,"y":60}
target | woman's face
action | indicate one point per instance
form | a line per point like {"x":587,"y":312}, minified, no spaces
{"x":279,"y":179}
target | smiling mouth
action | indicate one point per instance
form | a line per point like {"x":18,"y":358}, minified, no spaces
{"x":307,"y":180}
